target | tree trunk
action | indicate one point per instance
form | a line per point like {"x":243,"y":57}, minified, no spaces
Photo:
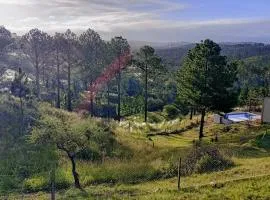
{"x":85,"y":85}
{"x":69,"y":108}
{"x":37,"y":73}
{"x":91,"y":101}
{"x":22,"y":115}
{"x":108,"y":100}
{"x":92,"y":106}
{"x":58,"y":103}
{"x":202,"y":124}
{"x":119,"y":95}
{"x":58,"y":84}
{"x":74,"y":173}
{"x":43,"y":73}
{"x":146,"y":94}
{"x":37,"y":81}
{"x":75,"y":89}
{"x":53,"y":184}
{"x":191,"y":113}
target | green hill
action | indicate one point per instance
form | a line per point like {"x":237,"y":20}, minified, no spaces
{"x":142,"y":163}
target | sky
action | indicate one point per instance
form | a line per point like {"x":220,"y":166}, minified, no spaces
{"x":144,"y":20}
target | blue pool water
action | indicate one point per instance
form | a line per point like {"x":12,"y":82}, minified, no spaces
{"x":241,"y":116}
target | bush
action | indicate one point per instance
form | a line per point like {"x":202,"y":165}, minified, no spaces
{"x":263,"y":141}
{"x":201,"y":160}
{"x":206,"y":159}
{"x":89,"y":154}
{"x":171,"y":111}
{"x":154,"y":118}
{"x":42,"y":181}
{"x":8,"y":182}
{"x":155,"y":104}
{"x":35,"y":184}
{"x":209,"y":163}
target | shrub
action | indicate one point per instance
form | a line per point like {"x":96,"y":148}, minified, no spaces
{"x":263,"y":141}
{"x":35,"y":184}
{"x":209,"y":163}
{"x":201,"y":160}
{"x":154,"y":118}
{"x":155,"y":104}
{"x":89,"y":154}
{"x":171,"y":111}
{"x":8,"y":182}
{"x":42,"y":181}
{"x":206,"y":159}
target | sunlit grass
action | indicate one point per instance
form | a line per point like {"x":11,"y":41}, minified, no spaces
{"x":139,"y":176}
{"x":250,"y":178}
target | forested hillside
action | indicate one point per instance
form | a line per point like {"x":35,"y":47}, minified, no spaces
{"x":175,"y":55}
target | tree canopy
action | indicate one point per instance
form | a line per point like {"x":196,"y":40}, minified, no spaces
{"x":69,"y":133}
{"x":151,"y":66}
{"x":206,"y":79}
{"x":5,"y":39}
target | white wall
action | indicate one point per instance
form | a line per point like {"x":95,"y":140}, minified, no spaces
{"x":266,"y":110}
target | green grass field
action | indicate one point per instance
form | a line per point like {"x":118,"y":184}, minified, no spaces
{"x":141,"y":174}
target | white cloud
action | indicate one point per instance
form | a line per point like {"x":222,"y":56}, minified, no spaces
{"x":132,"y":18}
{"x":30,"y":20}
{"x":18,"y":2}
{"x":102,"y":15}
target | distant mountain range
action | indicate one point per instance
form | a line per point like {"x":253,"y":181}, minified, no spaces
{"x":135,"y":45}
{"x":174,"y":54}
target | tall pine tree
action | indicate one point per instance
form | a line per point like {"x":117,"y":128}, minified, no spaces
{"x":206,"y":80}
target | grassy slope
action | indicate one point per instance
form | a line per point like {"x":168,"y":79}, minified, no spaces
{"x":249,"y":179}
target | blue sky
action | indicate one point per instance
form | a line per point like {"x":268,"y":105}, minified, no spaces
{"x":144,"y":20}
{"x":209,"y":9}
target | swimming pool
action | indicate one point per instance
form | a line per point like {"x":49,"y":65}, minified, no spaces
{"x":241,"y":116}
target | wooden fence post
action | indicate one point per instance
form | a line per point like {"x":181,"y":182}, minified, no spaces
{"x":52,"y":183}
{"x":179,"y":173}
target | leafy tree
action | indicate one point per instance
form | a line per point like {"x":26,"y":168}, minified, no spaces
{"x":133,"y":87}
{"x":149,"y":63}
{"x":60,"y":54}
{"x":254,"y":73}
{"x":206,"y":80}
{"x":132,"y":105}
{"x":171,"y":111}
{"x":71,"y":55}
{"x":58,"y":60}
{"x":119,"y":46}
{"x":93,"y":48}
{"x":5,"y":39}
{"x":68,"y":132}
{"x":35,"y":44}
{"x":19,"y":89}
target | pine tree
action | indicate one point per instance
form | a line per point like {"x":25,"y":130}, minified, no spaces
{"x":206,"y":80}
